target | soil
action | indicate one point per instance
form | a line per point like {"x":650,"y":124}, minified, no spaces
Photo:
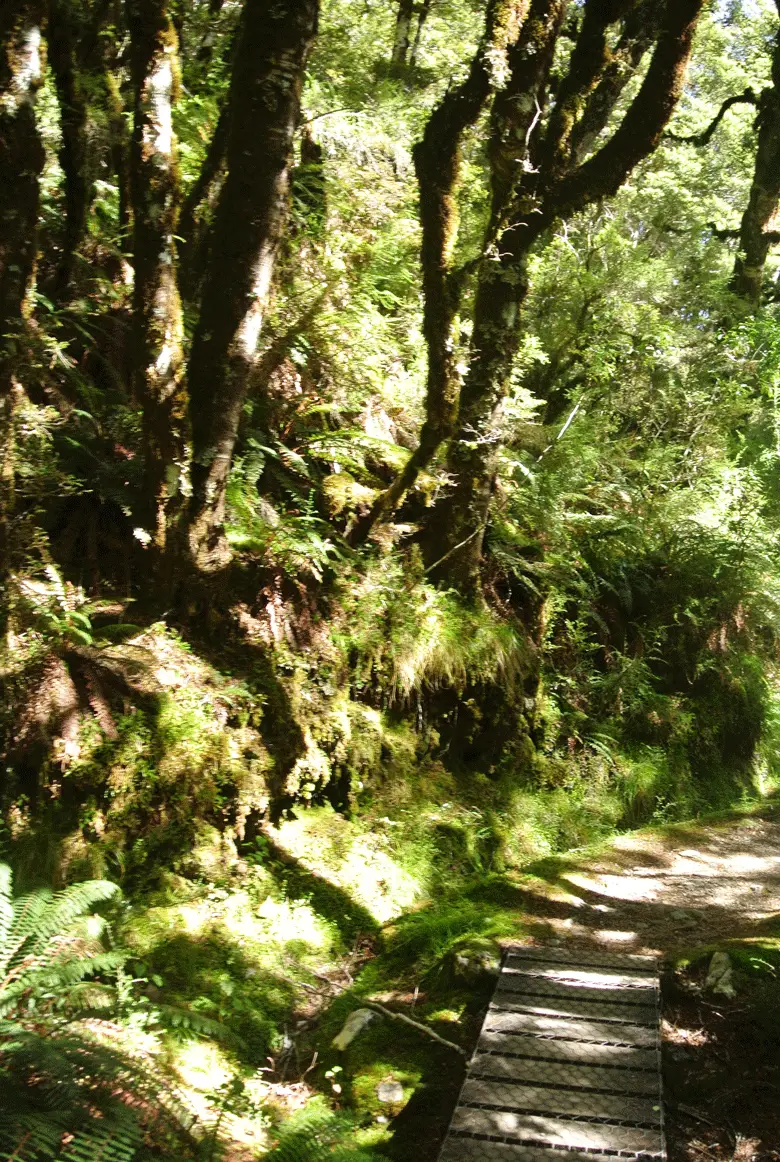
{"x":677,"y":894}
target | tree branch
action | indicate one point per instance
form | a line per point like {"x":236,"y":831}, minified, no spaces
{"x":643,"y":124}
{"x":437,"y":165}
{"x":749,"y":97}
{"x":640,"y":31}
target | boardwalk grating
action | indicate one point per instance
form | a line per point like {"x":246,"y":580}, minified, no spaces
{"x":567,"y":1067}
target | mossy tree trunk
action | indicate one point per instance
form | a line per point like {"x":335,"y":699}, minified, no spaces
{"x":159,"y":369}
{"x":423,"y":13}
{"x":533,"y":188}
{"x":756,"y":233}
{"x":525,"y":34}
{"x":120,"y":155}
{"x":437,"y":166}
{"x":21,"y":162}
{"x":250,"y":219}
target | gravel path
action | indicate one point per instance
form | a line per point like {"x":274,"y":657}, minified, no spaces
{"x":663,"y":893}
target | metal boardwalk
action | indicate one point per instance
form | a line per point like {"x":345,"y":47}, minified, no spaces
{"x":567,"y":1067}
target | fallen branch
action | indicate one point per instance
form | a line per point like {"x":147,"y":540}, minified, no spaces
{"x":375,"y":1005}
{"x":415,"y":1025}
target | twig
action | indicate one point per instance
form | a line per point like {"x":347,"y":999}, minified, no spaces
{"x":695,"y":1114}
{"x":455,"y":548}
{"x":749,"y":97}
{"x":415,"y":1025}
{"x":375,"y":1005}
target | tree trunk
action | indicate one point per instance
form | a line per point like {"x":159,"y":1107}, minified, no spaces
{"x":156,"y":306}
{"x":251,"y":214}
{"x":437,"y":165}
{"x":21,"y":162}
{"x":423,"y":13}
{"x":548,"y":188}
{"x":120,"y":156}
{"x":189,"y":234}
{"x":756,"y":234}
{"x":403,"y":32}
{"x":62,"y":37}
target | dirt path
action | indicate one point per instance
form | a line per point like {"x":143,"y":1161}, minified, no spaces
{"x":666,"y":893}
{"x":675,"y":893}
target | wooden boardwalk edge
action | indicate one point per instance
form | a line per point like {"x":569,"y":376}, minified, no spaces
{"x":568,"y":1063}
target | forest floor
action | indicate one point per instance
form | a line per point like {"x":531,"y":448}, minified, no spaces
{"x":679,"y":893}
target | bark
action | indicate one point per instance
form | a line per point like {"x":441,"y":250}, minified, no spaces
{"x":157,"y":317}
{"x":517,"y":110}
{"x":437,"y":166}
{"x":403,"y":32}
{"x":641,"y":29}
{"x":542,"y":195}
{"x":756,"y":233}
{"x":251,"y":215}
{"x":21,"y":162}
{"x":62,"y":42}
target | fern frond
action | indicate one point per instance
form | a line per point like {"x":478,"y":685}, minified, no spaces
{"x":175,"y":1017}
{"x":317,"y":1136}
{"x":30,"y":1136}
{"x":27,"y":910}
{"x":41,"y":915}
{"x":97,"y":1144}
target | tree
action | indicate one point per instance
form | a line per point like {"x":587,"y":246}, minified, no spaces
{"x":402,"y":33}
{"x":158,"y":357}
{"x":537,"y":177}
{"x":62,"y":37}
{"x":21,"y":161}
{"x":274,"y":44}
{"x":756,"y":234}
{"x":437,"y":163}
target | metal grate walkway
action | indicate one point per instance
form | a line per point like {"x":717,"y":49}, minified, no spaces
{"x":567,"y":1067}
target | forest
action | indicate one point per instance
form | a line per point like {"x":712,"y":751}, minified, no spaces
{"x":389,"y":532}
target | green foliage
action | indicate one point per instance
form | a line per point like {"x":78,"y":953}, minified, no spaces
{"x":71,"y":1076}
{"x":52,"y":607}
{"x":618,"y":667}
{"x":317,"y":1135}
{"x":403,"y":632}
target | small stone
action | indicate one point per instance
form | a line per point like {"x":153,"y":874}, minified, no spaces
{"x":354,"y":1024}
{"x":720,"y":978}
{"x":682,"y":917}
{"x":390,"y":1092}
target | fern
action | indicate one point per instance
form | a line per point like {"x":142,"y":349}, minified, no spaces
{"x":317,"y":1135}
{"x":41,"y":916}
{"x":75,"y":1086}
